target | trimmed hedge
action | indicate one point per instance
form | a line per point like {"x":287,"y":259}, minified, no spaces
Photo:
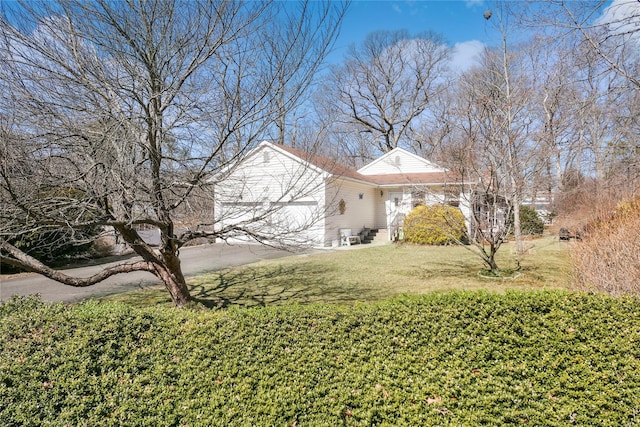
{"x":542,"y":358}
{"x":434,"y":225}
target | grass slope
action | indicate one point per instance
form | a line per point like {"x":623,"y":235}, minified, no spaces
{"x":459,"y":358}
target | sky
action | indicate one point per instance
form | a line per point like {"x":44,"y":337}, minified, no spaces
{"x":460,"y":22}
{"x":457,"y":20}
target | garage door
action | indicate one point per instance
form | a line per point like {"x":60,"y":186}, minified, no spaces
{"x":298,"y":222}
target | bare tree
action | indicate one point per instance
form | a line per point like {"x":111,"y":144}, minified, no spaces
{"x":610,"y":29}
{"x":384,"y":86}
{"x":591,"y":62}
{"x":503,"y":85}
{"x":594,"y":120}
{"x":475,"y":157}
{"x":492,"y":145}
{"x":296,"y":65}
{"x":129,"y":110}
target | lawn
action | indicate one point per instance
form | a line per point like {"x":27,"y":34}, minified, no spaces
{"x":368,"y":273}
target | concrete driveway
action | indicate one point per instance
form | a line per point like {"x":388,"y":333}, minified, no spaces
{"x":195,"y":260}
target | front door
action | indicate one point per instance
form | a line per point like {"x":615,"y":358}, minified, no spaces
{"x":396,"y":210}
{"x":394,"y":204}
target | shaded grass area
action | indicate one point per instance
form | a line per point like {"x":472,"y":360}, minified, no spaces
{"x":366,"y":274}
{"x":454,"y":358}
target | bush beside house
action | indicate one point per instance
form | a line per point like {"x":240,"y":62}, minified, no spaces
{"x":434,"y":225}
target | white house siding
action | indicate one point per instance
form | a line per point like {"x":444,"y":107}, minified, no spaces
{"x":399,"y":161}
{"x":307,"y":196}
{"x":397,"y":205}
{"x":434,"y":196}
{"x":465,"y":208}
{"x":359,"y":212}
{"x":270,"y":180}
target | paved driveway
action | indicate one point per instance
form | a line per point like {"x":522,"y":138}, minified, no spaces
{"x":195,"y":260}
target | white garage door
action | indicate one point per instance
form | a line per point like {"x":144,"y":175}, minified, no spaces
{"x":294,"y":223}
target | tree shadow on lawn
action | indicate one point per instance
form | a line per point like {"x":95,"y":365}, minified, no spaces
{"x":457,"y":269}
{"x":275,"y":285}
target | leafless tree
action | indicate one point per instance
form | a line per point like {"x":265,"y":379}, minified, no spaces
{"x":384,"y":85}
{"x":587,"y":79}
{"x":492,"y":144}
{"x":296,"y":65}
{"x":122,"y":114}
{"x":503,"y":85}
{"x":610,"y":29}
{"x":475,"y":158}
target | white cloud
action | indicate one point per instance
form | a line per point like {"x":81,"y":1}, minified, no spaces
{"x":465,"y":55}
{"x":622,"y":18}
{"x":474,"y":3}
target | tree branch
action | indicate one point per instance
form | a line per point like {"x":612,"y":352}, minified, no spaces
{"x":26,"y":262}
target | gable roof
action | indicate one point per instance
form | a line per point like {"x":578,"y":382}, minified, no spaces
{"x":324,"y":163}
{"x":438,"y":177}
{"x":397,"y":161}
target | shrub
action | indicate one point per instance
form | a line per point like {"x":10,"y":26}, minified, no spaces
{"x":50,"y":246}
{"x":608,"y":257}
{"x":530,"y":222}
{"x":469,"y":358}
{"x":434,"y":225}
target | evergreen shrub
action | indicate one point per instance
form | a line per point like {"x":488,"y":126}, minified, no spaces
{"x":434,"y":225}
{"x":456,"y":358}
{"x":530,"y":222}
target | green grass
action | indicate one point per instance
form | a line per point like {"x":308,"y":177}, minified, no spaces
{"x":367,"y":274}
{"x":544,"y":358}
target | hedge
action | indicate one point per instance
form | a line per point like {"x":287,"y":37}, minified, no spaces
{"x":542,"y":358}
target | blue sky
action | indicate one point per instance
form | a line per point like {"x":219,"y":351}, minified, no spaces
{"x":460,"y":22}
{"x":457,"y":21}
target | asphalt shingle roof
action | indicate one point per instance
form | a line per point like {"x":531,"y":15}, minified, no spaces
{"x":340,"y":170}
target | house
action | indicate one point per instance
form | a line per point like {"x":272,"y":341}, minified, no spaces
{"x":289,"y":196}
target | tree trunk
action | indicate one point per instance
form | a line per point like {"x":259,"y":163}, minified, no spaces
{"x":165,"y":266}
{"x":517,"y":228}
{"x":171,"y":274}
{"x":490,"y":260}
{"x":491,"y":263}
{"x":175,"y":284}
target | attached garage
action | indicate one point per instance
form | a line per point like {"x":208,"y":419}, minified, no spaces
{"x":293,"y":223}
